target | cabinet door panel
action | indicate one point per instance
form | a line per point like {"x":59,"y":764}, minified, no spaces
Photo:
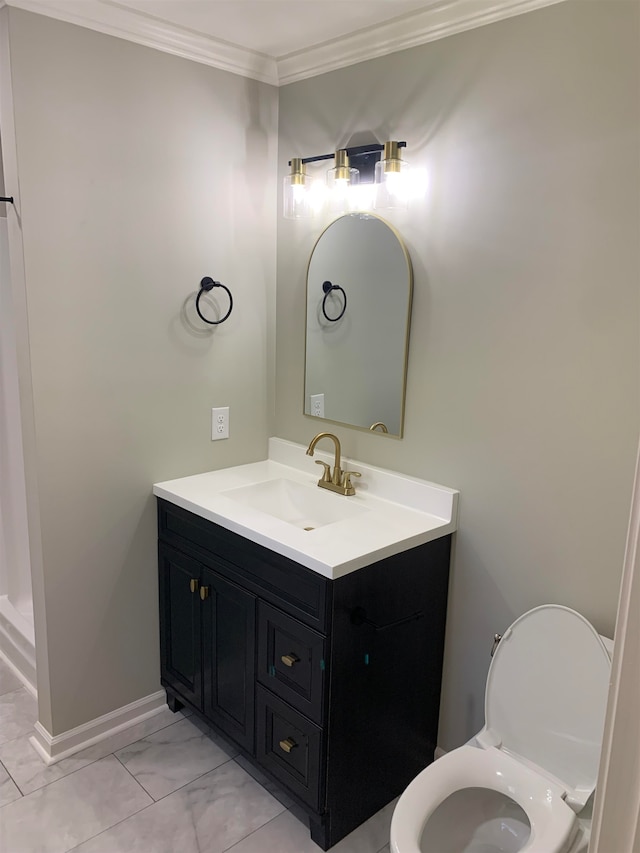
{"x":181,"y":663}
{"x":228,"y":615}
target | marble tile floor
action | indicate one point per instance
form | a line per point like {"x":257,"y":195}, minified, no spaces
{"x":167,"y":785}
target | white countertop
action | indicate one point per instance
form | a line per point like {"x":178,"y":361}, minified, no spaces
{"x":399,"y":512}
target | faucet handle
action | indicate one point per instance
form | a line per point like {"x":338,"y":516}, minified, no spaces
{"x":346,"y":481}
{"x":326,"y":474}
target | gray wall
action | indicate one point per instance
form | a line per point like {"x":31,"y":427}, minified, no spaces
{"x":3,"y":206}
{"x":139,"y":173}
{"x":523,"y":366}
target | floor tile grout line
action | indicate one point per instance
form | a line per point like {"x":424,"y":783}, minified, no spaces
{"x":153,"y":803}
{"x":100,"y":758}
{"x":108,"y":828}
{"x":186,"y":784}
{"x":75,"y":755}
{"x":138,"y":783}
{"x":209,"y":733}
{"x":20,"y":791}
{"x":65,"y":776}
{"x":72,"y":773}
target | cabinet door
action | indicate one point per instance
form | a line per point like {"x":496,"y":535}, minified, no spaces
{"x":228,"y":622}
{"x":180,"y":644}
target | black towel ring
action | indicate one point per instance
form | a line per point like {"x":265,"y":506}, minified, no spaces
{"x":206,"y":285}
{"x":328,"y":287}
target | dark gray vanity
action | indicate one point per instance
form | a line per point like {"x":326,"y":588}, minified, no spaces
{"x":331,"y":687}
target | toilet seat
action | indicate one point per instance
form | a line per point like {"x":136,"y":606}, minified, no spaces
{"x":545,"y":703}
{"x":553,"y":823}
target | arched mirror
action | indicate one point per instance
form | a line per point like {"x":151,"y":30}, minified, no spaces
{"x":359,"y":286}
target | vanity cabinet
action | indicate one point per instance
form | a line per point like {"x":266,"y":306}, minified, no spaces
{"x":330,"y":687}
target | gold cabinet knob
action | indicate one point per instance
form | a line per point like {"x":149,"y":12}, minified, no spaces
{"x":193,"y":584}
{"x":288,"y":744}
{"x":204,"y":592}
{"x":289,"y":660}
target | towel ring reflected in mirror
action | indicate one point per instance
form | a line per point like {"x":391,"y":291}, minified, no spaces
{"x":328,"y":289}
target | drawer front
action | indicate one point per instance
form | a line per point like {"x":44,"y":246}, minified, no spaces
{"x":296,"y":589}
{"x":289,"y":746}
{"x":291,"y":661}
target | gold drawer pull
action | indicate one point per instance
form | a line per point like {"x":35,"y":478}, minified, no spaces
{"x":193,"y":584}
{"x":288,"y":744}
{"x":289,"y":660}
{"x":204,"y":592}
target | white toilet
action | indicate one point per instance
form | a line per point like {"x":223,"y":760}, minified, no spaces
{"x":522,"y":784}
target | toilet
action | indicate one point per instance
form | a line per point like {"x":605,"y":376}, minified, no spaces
{"x":524,"y":783}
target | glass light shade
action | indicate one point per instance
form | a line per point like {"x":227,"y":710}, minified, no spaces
{"x":340,"y":181}
{"x":392,"y":179}
{"x":296,"y":196}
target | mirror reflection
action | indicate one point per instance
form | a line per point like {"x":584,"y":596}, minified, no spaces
{"x":359,"y":286}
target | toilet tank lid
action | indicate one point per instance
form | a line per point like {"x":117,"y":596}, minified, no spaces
{"x":546,"y":695}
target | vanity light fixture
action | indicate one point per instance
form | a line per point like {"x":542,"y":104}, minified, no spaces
{"x":363,"y":177}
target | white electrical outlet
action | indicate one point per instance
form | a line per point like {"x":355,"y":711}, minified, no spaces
{"x":317,"y":405}
{"x":219,"y":423}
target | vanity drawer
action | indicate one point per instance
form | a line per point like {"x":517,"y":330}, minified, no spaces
{"x":288,"y":745}
{"x":291,"y":660}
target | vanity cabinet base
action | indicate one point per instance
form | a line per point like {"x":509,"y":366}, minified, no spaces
{"x":331,"y":688}
{"x":174,"y":703}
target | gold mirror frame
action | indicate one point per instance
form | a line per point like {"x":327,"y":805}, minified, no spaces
{"x":357,"y":326}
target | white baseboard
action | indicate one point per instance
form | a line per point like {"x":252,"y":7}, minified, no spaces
{"x":53,"y":748}
{"x":17,"y":646}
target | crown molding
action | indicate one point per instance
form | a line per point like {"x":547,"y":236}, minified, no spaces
{"x":439,"y":20}
{"x":152,"y":32}
{"x":436,"y":22}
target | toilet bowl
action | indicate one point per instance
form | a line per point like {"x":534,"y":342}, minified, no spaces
{"x":521,"y":785}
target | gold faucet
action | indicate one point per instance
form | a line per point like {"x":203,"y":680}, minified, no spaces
{"x":337,"y":480}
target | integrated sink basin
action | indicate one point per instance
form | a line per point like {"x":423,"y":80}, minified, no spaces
{"x":277,"y":503}
{"x":304,"y":506}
